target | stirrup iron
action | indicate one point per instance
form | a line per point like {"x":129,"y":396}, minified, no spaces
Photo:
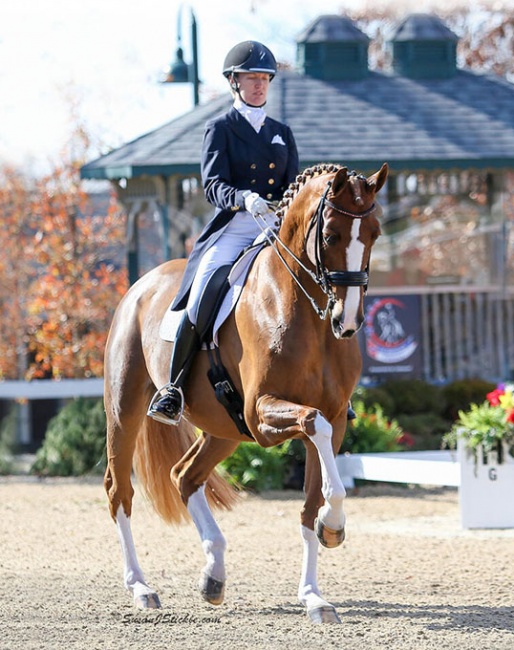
{"x":160,"y":417}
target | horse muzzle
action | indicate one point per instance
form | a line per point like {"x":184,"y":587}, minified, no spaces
{"x":345,"y":323}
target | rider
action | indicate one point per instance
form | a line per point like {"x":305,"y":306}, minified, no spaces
{"x":248,"y":158}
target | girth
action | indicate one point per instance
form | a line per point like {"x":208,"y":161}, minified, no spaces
{"x":224,"y":389}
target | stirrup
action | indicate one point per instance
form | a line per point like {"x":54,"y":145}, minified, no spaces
{"x":161,"y":417}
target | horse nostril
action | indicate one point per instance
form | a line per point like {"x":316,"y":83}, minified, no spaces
{"x":347,"y":334}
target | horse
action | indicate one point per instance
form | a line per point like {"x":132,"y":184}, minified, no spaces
{"x":290,"y":349}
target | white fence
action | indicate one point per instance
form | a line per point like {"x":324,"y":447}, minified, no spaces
{"x":23,"y":392}
{"x":51,"y":389}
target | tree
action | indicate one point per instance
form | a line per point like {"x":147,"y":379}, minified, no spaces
{"x":16,"y":270}
{"x":486,"y":33}
{"x":62,"y":272}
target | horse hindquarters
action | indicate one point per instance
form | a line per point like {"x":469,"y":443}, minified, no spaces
{"x":133,"y":439}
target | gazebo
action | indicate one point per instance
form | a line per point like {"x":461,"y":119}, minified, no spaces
{"x":446,"y":133}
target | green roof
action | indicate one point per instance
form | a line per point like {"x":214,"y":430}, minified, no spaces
{"x":460,"y":120}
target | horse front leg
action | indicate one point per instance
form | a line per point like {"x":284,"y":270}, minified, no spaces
{"x":318,"y":609}
{"x":190,"y":475}
{"x":280,"y":420}
{"x":323,"y":518}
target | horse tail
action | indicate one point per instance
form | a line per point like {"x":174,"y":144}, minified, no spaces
{"x":158,"y":449}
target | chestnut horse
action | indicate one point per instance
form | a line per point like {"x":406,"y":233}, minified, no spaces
{"x":290,"y":350}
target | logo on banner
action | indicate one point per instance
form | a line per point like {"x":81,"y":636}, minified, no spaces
{"x":386,"y":338}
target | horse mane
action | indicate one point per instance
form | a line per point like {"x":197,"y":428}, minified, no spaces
{"x":299,"y":182}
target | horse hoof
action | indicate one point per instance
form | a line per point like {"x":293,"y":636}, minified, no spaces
{"x":328,"y":537}
{"x":323,"y":614}
{"x":212,"y":590}
{"x":147,"y":601}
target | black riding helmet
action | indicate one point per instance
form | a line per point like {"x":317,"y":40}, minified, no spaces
{"x":250,"y":56}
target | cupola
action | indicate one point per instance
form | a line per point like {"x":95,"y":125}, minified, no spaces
{"x":332,"y":48}
{"x":424,"y":48}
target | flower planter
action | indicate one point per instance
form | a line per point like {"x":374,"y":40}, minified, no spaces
{"x":486,"y":488}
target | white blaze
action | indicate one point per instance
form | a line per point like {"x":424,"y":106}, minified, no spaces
{"x":354,"y":256}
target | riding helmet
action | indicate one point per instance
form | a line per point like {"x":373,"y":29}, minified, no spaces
{"x":250,"y":56}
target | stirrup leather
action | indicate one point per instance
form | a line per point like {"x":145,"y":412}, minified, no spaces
{"x":162,"y":392}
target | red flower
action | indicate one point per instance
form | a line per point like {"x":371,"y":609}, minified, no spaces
{"x":407,"y":439}
{"x":510,"y":416}
{"x":494,"y":397}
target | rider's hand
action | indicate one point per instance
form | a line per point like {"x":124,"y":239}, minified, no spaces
{"x":255,"y":204}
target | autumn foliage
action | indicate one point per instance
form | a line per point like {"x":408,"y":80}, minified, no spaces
{"x":61,"y":275}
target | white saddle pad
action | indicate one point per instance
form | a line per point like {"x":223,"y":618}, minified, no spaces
{"x":236,"y":279}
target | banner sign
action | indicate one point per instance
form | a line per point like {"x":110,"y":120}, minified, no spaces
{"x":391,"y":338}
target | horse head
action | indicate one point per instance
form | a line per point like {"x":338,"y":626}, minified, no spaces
{"x":340,"y":227}
{"x":349,"y":227}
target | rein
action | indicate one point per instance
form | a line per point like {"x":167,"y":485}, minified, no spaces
{"x":323,"y":277}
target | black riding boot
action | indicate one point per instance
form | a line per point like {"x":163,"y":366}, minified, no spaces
{"x":169,"y":406}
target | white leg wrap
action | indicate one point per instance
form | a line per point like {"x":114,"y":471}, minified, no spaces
{"x":213,"y":542}
{"x":132,"y":574}
{"x":308,"y":592}
{"x":331,"y":514}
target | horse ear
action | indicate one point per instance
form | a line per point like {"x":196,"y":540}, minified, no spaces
{"x":379,"y":178}
{"x":339,"y":180}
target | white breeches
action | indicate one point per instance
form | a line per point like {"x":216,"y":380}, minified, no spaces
{"x":238,"y":234}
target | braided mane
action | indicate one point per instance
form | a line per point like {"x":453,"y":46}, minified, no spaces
{"x":294,"y":188}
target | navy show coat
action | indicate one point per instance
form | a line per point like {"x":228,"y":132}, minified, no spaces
{"x":235,"y":158}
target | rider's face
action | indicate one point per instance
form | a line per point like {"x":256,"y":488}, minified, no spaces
{"x":253,"y":87}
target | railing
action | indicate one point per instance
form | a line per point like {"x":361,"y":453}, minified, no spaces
{"x":467,"y":332}
{"x":51,"y":389}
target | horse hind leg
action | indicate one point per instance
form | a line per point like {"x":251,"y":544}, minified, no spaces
{"x":190,"y":475}
{"x":117,"y":483}
{"x":143,"y":595}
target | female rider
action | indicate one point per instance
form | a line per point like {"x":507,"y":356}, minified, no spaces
{"x":247,"y":159}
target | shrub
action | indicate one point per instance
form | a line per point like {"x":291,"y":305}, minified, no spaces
{"x":427,"y":429}
{"x":75,"y":441}
{"x":257,"y":468}
{"x":487,"y":424}
{"x":459,"y":395}
{"x":414,"y":396}
{"x":371,"y":396}
{"x":7,"y":438}
{"x":372,"y":431}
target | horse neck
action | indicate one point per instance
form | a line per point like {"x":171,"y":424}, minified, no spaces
{"x":297,"y":310}
{"x":295,"y":225}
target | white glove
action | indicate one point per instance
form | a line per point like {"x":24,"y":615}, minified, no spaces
{"x":255,"y":204}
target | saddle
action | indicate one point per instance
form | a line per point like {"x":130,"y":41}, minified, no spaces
{"x":224,"y":389}
{"x":219,"y":299}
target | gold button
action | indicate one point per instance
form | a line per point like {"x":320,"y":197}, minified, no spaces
{"x":271,"y":181}
{"x":269,"y":196}
{"x":253,"y":166}
{"x":252,"y":182}
{"x":272,"y":165}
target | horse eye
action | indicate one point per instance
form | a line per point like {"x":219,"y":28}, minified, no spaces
{"x":330,"y":240}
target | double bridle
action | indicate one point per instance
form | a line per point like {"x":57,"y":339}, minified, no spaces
{"x":323,"y":277}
